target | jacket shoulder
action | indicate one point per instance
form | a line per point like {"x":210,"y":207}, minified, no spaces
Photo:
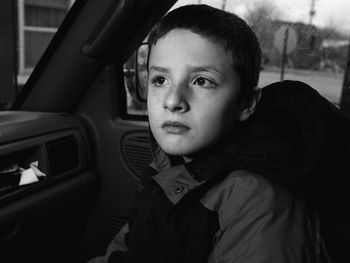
{"x":261,"y":221}
{"x":243,"y":193}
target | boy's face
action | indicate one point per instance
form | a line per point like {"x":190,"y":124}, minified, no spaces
{"x":192,"y":93}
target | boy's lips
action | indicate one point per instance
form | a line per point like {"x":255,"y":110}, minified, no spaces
{"x":175,"y":127}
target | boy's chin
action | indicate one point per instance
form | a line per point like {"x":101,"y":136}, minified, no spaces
{"x":190,"y":152}
{"x":186,"y":152}
{"x":177,"y":151}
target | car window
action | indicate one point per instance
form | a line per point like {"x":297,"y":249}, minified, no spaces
{"x":300,"y":40}
{"x":26,"y":28}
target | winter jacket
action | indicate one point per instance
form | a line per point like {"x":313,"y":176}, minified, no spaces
{"x":256,"y":199}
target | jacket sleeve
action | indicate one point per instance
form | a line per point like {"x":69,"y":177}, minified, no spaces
{"x":117,"y":244}
{"x":262,"y":223}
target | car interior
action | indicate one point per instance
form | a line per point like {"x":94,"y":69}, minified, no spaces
{"x":70,"y":118}
{"x":70,"y":121}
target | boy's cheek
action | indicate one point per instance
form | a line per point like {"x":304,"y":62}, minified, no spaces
{"x":154,"y":114}
{"x":152,"y":96}
{"x":154,"y":102}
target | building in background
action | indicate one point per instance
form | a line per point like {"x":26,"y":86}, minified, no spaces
{"x":38,"y":20}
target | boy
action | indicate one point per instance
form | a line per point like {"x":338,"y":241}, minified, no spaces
{"x":203,"y":199}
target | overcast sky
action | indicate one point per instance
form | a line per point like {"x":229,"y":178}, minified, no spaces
{"x":328,"y":12}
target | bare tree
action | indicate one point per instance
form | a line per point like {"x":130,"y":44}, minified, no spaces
{"x":260,"y":15}
{"x":260,"y":11}
{"x":332,"y":30}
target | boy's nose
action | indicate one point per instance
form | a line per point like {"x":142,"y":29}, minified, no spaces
{"x":176,"y":100}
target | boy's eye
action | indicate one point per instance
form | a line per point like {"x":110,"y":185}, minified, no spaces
{"x":203,"y":82}
{"x":159,"y":81}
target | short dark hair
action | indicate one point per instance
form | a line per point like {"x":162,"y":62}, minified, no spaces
{"x":222,"y":27}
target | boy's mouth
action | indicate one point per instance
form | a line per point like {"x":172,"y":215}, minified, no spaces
{"x":175,"y":127}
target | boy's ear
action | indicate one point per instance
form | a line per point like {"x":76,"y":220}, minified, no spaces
{"x":250,"y":107}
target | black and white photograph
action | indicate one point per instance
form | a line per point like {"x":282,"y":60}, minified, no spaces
{"x":174,"y":131}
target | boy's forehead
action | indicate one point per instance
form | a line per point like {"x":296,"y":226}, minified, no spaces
{"x":178,"y":35}
{"x":185,"y":44}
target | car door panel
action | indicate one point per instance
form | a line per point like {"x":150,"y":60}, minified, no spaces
{"x":55,"y":208}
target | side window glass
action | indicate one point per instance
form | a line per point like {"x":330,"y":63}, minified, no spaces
{"x":311,"y":50}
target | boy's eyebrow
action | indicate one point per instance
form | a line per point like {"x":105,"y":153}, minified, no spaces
{"x":192,"y":68}
{"x":205,"y":68}
{"x":157,"y":68}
